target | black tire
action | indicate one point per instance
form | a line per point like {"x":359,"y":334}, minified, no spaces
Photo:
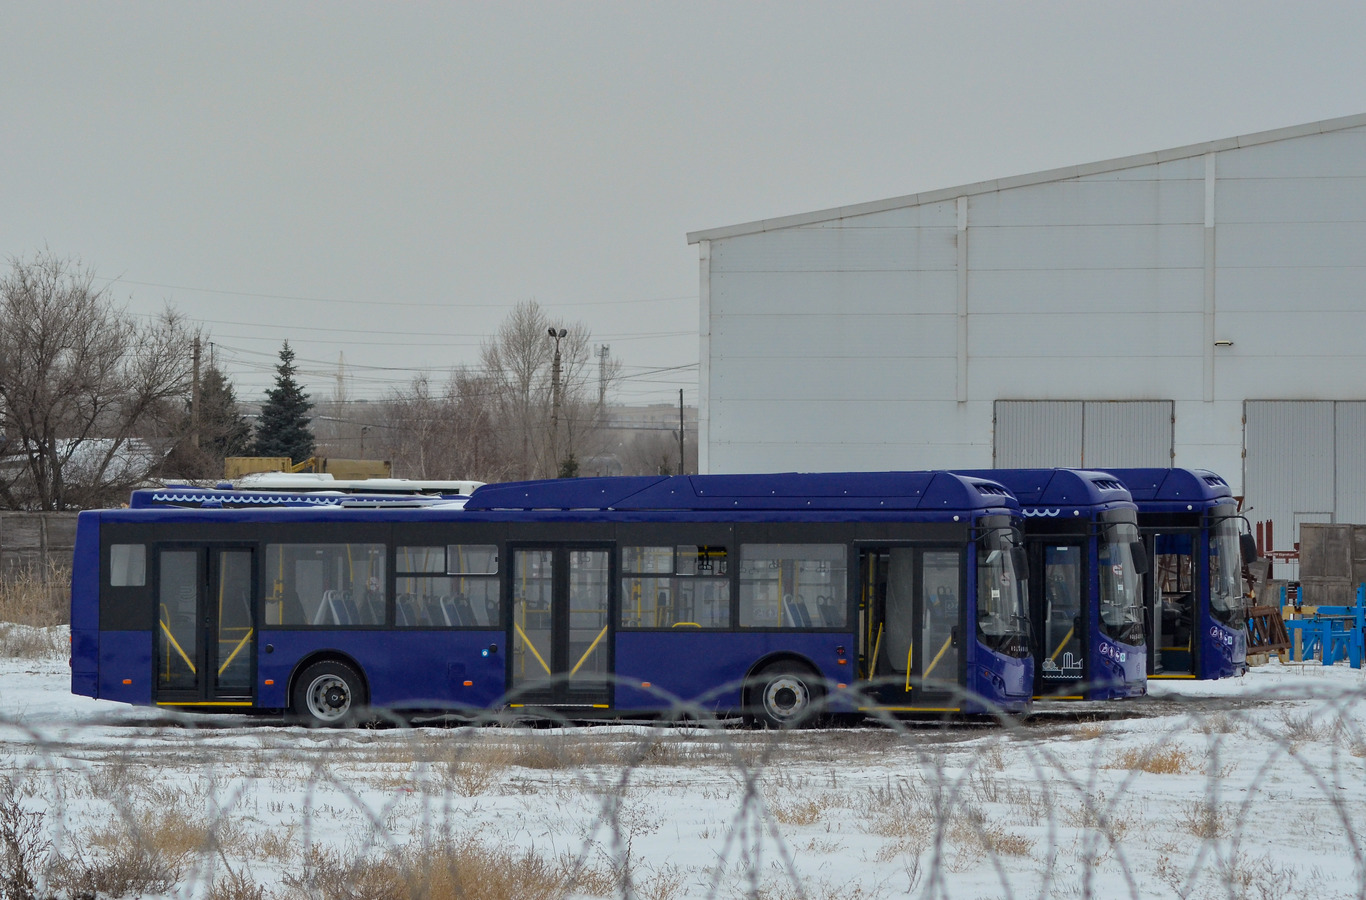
{"x":785,"y":695}
{"x":328,"y":694}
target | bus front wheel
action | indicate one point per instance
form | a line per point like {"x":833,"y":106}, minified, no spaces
{"x":328,"y":693}
{"x":786,"y":693}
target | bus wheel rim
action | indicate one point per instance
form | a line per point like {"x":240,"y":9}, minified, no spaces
{"x":329,"y":697}
{"x":785,"y":697}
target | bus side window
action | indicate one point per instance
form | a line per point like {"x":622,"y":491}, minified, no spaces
{"x":781,"y":584}
{"x":127,"y":565}
{"x":325,"y":585}
{"x":681,"y":586}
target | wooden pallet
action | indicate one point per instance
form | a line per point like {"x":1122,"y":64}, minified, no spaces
{"x":1266,"y":631}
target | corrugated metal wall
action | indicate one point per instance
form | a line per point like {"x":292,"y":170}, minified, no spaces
{"x":1349,"y":443}
{"x":1038,"y":434}
{"x":1292,"y":464}
{"x":1130,"y":434}
{"x":1094,"y":434}
{"x":884,"y":335}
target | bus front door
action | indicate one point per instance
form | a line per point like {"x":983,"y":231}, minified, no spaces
{"x":1058,"y":594}
{"x":911,"y":638}
{"x":561,"y":631}
{"x":1172,"y":596}
{"x":205,"y":640}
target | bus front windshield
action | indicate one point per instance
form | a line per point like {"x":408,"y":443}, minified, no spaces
{"x":1225,"y":571}
{"x":1121,"y":598}
{"x":1002,"y":622}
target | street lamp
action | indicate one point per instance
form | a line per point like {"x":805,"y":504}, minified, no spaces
{"x":555,"y":335}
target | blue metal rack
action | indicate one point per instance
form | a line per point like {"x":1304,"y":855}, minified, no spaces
{"x":1333,"y":634}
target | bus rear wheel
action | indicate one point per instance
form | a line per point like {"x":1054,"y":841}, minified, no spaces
{"x":328,"y":694}
{"x":786,"y":695}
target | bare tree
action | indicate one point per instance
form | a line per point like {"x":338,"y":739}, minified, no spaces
{"x":88,"y":397}
{"x":445,"y":432}
{"x":655,"y":453}
{"x":518,"y":370}
{"x":517,"y":364}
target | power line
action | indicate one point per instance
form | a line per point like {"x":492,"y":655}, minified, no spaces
{"x":412,"y":303}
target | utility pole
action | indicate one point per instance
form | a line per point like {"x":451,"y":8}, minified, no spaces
{"x":603,"y":351}
{"x":555,"y":335}
{"x":682,"y":466}
{"x":194,"y":396}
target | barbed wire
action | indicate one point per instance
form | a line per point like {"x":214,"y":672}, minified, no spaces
{"x":1251,"y":797}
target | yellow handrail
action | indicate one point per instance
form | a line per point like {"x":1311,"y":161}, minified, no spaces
{"x":877,"y":648}
{"x":587,"y":653}
{"x":532,"y":647}
{"x":236,"y":650}
{"x":178,"y":649}
{"x":910,"y":648}
{"x":1063,"y":644}
{"x":938,"y":656}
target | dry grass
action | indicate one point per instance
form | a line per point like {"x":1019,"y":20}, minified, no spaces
{"x":973,"y":832}
{"x":238,"y":885}
{"x":1157,"y":759}
{"x":1203,"y":820}
{"x":34,"y":642}
{"x":1089,"y":731}
{"x":900,"y":810}
{"x":36,"y":596}
{"x":1095,"y":814}
{"x":1307,"y":728}
{"x":803,"y":812}
{"x":462,"y":868}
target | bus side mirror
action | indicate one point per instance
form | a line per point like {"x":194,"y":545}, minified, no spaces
{"x":1020,"y":559}
{"x":1139,"y":551}
{"x":1248,"y":545}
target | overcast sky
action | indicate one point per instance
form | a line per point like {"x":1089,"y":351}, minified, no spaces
{"x":385,"y":181}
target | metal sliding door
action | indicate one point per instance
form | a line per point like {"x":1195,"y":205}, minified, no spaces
{"x":561,"y":627}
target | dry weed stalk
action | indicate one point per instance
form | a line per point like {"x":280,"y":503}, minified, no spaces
{"x":37,"y":596}
{"x":1203,"y":820}
{"x":803,"y":812}
{"x":1157,"y":759}
{"x":457,"y":870}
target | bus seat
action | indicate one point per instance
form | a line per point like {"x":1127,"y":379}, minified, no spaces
{"x":465,"y":611}
{"x":292,"y":608}
{"x":797,"y":613}
{"x":349,"y":609}
{"x":374,"y":609}
{"x":403,"y":611}
{"x":326,"y":613}
{"x":830,"y":614}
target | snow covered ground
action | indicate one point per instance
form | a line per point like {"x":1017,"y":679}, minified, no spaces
{"x":1252,"y":787}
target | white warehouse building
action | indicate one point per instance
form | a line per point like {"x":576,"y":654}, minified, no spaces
{"x":1202,"y":307}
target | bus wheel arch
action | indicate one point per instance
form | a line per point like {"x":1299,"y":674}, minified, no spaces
{"x":328,"y":689}
{"x":783,"y":691}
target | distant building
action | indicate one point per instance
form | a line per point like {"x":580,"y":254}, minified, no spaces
{"x":1199,"y":307}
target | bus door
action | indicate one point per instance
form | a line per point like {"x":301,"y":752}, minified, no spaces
{"x":1172,"y":600}
{"x":911,"y":639}
{"x":561,"y":630}
{"x":1058,"y":597}
{"x":206,"y":628}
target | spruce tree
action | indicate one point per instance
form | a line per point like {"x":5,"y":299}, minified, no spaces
{"x":283,"y":428}
{"x":223,"y":430}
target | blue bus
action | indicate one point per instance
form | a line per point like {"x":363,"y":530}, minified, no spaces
{"x":1085,"y":592}
{"x":749,"y":594}
{"x":1194,"y":592}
